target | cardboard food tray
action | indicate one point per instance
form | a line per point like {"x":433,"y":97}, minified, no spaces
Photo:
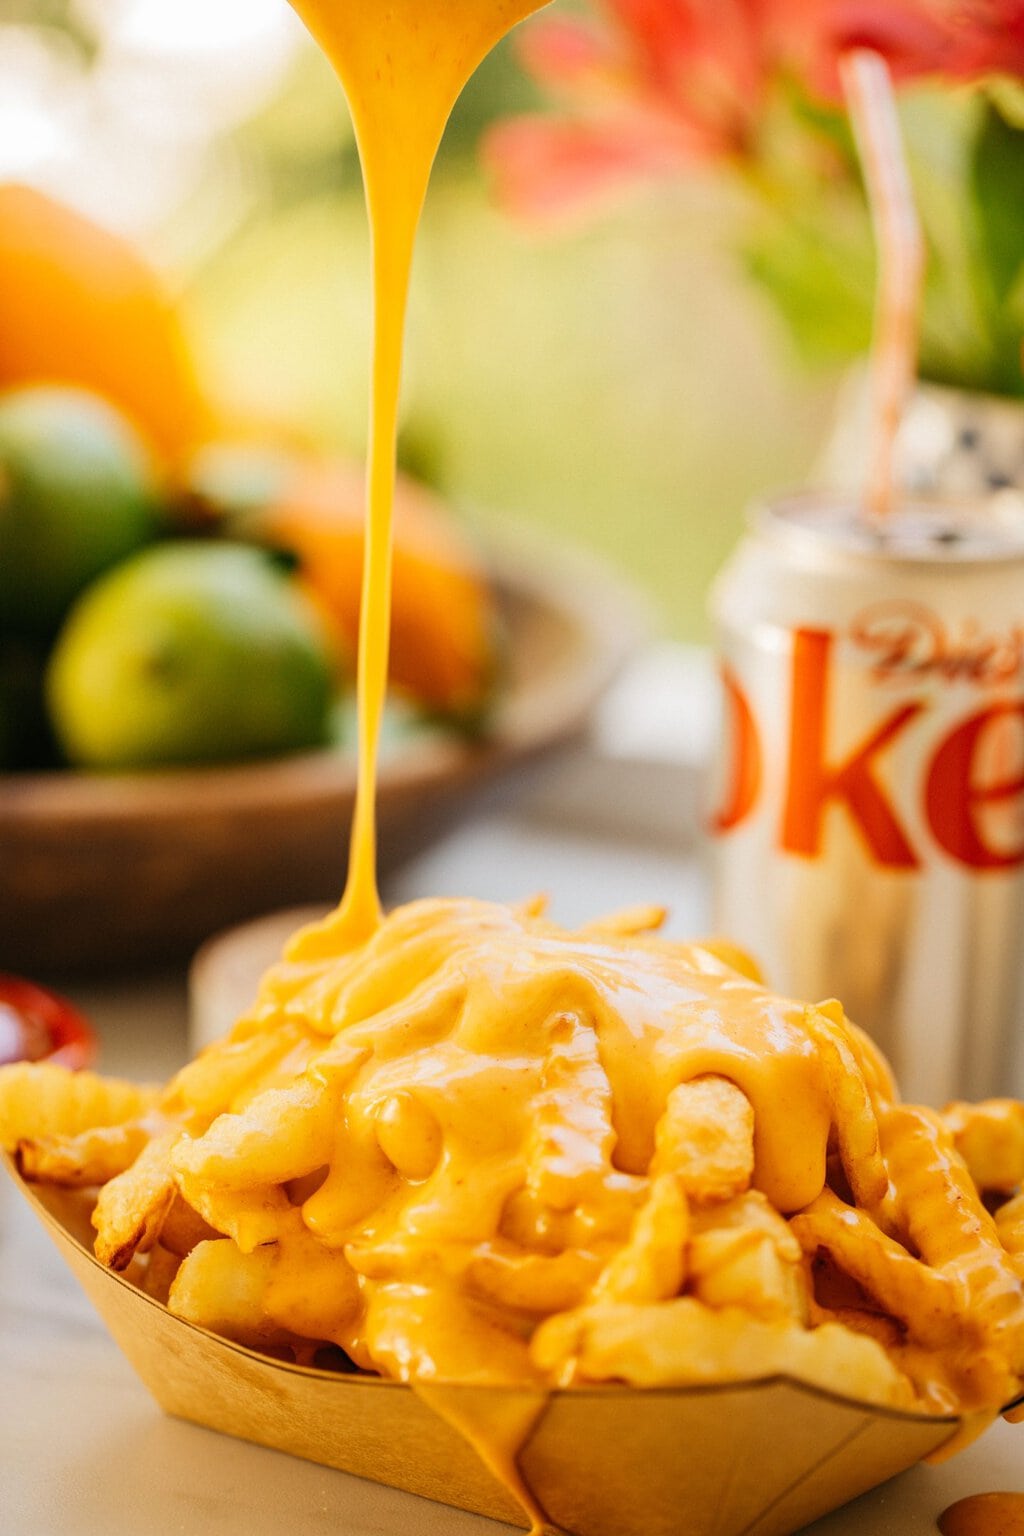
{"x":754,"y":1459}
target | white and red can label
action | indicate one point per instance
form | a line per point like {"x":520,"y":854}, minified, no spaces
{"x":869,"y":798}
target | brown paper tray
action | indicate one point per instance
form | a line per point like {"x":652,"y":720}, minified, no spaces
{"x":754,"y":1459}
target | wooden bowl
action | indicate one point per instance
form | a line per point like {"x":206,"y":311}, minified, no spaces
{"x":105,"y":872}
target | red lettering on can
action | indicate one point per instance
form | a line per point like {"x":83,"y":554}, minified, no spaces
{"x":744,"y":784}
{"x":954,"y":798}
{"x":813,"y":783}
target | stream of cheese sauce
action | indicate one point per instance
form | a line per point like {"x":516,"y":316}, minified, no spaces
{"x":403,"y":65}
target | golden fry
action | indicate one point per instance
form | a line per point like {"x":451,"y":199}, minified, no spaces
{"x":747,"y":1263}
{"x":684,"y":1343}
{"x":942,"y":1214}
{"x":926,"y":1300}
{"x":219,"y":1288}
{"x":706,"y":1138}
{"x":131,"y":1208}
{"x":652,"y":1264}
{"x":856,"y":1122}
{"x":990,"y":1139}
{"x":183,"y":1228}
{"x":1010,"y":1226}
{"x":91,"y":1157}
{"x":38,"y":1099}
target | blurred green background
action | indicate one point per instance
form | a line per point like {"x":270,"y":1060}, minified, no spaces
{"x":620,"y":386}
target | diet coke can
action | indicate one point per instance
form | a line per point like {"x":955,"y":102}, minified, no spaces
{"x":869,"y":801}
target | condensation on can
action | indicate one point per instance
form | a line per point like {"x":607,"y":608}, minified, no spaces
{"x":868,"y":802}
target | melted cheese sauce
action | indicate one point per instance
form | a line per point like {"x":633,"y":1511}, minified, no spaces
{"x":504,"y":1086}
{"x":476,"y":1148}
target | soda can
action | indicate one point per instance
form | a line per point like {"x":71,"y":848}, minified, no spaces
{"x":868,"y":804}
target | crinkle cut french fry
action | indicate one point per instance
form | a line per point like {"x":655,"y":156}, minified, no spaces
{"x":706,"y":1138}
{"x":749,"y":1213}
{"x":856,"y":1122}
{"x":629,"y":922}
{"x":38,"y":1099}
{"x":227,"y":1073}
{"x":219,"y":1288}
{"x":313,"y":1286}
{"x":743,"y":1253}
{"x":130,"y":1209}
{"x":879,"y":1326}
{"x":158,"y":1276}
{"x":282,"y":1134}
{"x":734,"y":957}
{"x":250,"y":1217}
{"x":233,"y":1175}
{"x":91,"y":1157}
{"x":572,"y":1137}
{"x":928,"y":1302}
{"x":990,"y":1139}
{"x":1010,"y":1226}
{"x":683,"y":1342}
{"x":652,"y":1265}
{"x":943,"y":1216}
{"x":531,"y":1282}
{"x":183,"y":1228}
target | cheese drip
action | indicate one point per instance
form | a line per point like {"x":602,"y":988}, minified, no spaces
{"x":403,"y":66}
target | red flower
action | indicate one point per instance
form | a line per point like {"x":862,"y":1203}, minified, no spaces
{"x":650,"y":86}
{"x":959,"y":40}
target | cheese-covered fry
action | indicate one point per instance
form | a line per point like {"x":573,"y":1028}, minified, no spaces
{"x":685,"y":1342}
{"x":744,"y":1254}
{"x":990,"y":1139}
{"x":706,"y":1138}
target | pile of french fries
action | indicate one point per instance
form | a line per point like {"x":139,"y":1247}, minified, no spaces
{"x":478,"y":1148}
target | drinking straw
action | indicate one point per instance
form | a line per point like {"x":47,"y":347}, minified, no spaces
{"x":871,"y":101}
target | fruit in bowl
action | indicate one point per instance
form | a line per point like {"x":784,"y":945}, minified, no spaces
{"x":170,"y":764}
{"x":81,"y":307}
{"x":446,"y":638}
{"x":190,"y":653}
{"x":135,"y":630}
{"x":78,"y":493}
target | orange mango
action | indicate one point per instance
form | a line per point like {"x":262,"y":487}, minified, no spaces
{"x":444,"y":622}
{"x":79,"y":305}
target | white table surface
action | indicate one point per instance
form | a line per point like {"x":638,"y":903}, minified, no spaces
{"x":83,"y":1449}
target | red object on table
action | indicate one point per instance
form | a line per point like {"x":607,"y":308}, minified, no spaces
{"x":36,"y":1024}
